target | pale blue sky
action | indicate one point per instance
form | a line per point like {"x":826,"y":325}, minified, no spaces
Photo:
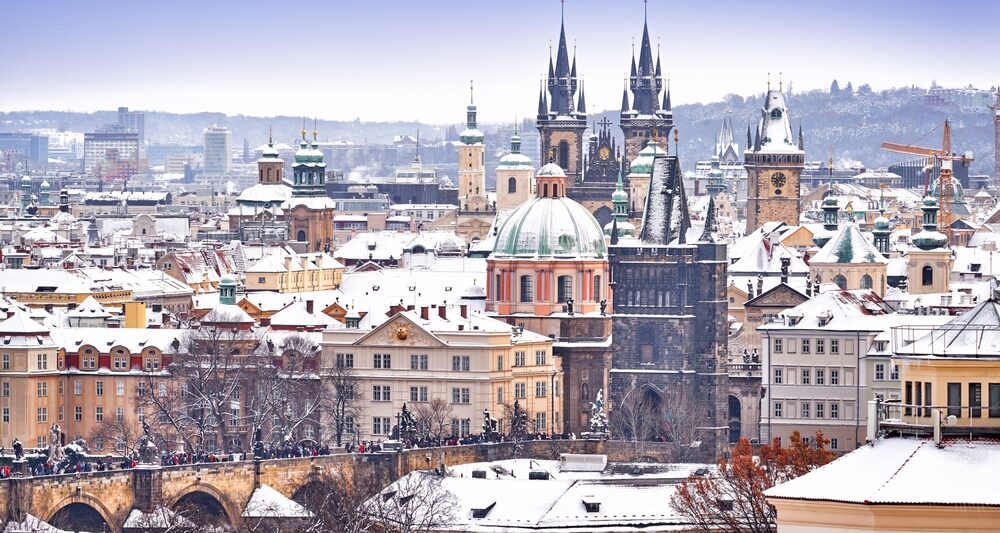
{"x":404,"y":59}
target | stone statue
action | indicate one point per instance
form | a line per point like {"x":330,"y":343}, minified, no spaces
{"x":55,"y":444}
{"x":258,"y":444}
{"x":18,"y":450}
{"x":598,"y":420}
{"x":749,"y":289}
{"x":569,"y":306}
{"x":604,"y":304}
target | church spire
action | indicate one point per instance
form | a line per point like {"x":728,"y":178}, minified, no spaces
{"x":749,"y":141}
{"x":543,"y":108}
{"x":710,"y":223}
{"x":625,"y":106}
{"x":581,"y":108}
{"x":666,"y":99}
{"x":802,"y":142}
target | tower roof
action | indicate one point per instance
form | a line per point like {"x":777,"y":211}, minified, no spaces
{"x":775,"y":129}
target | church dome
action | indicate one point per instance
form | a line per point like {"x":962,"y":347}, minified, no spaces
{"x":471,"y":136}
{"x":551,"y":169}
{"x":474,"y":292}
{"x":515,"y":159}
{"x":25,"y":179}
{"x":550,"y":227}
{"x":643,"y":163}
{"x":881,"y":223}
{"x":956,"y":186}
{"x":308,"y":153}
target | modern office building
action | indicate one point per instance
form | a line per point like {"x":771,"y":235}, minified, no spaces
{"x":218,"y":150}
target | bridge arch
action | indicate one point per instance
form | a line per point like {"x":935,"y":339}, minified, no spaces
{"x":213,"y":507}
{"x":82,"y":512}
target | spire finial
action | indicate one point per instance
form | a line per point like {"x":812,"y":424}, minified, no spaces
{"x":677,"y":139}
{"x":270,"y":136}
{"x":645,"y":5}
{"x":303,"y":128}
{"x":315,"y":130}
{"x":768,"y":82}
{"x":562,"y":12}
{"x":781,"y":81}
{"x":472,"y":98}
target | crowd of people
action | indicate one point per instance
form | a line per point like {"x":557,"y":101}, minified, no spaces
{"x":49,"y":468}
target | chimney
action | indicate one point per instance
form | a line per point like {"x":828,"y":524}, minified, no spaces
{"x":309,"y":306}
{"x":288,"y":262}
{"x":464,"y":310}
{"x":424,"y":312}
{"x":443,"y":312}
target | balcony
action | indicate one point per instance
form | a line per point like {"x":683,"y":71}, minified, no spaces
{"x":744,"y":370}
{"x":894,"y":417}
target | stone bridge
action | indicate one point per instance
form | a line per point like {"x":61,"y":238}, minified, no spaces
{"x":101,"y":501}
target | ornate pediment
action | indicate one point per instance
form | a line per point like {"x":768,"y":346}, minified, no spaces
{"x":400,"y":330}
{"x":780,"y":295}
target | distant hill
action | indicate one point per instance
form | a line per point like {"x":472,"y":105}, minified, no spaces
{"x":852,"y":126}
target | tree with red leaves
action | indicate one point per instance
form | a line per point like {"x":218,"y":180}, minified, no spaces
{"x":731,"y":499}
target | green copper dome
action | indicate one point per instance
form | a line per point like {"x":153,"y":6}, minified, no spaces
{"x":557,"y":228}
{"x":643,"y":163}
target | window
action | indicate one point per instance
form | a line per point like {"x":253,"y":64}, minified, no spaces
{"x":381,"y":393}
{"x":879,"y":371}
{"x":6,"y":361}
{"x":778,"y":346}
{"x":162,"y":389}
{"x":834,"y":377}
{"x":460,"y":427}
{"x":804,"y":410}
{"x":527,"y":289}
{"x":518,"y":358}
{"x":460,"y":395}
{"x":418,"y":362}
{"x":866,"y":282}
{"x":382,"y":360}
{"x":840,"y":281}
{"x":511,"y":185}
{"x":820,"y":345}
{"x":805,"y":346}
{"x":120,"y":414}
{"x":927,"y":276}
{"x":42,"y":361}
{"x":78,"y":413}
{"x":6,"y":415}
{"x":975,"y":400}
{"x":778,"y":376}
{"x":895,"y":373}
{"x":565,"y":284}
{"x":99,"y":414}
{"x":142,"y":389}
{"x":99,"y":388}
{"x":994,"y":400}
{"x":381,"y":425}
{"x":540,"y":423}
{"x":539,"y":357}
{"x":460,"y":363}
{"x":42,"y":415}
{"x":540,"y":390}
{"x":955,"y":399}
{"x":62,"y":387}
{"x":43,"y":390}
{"x":819,"y":409}
{"x":777,"y":409}
{"x":805,"y":376}
{"x":834,"y":346}
{"x":820,"y":376}
{"x":119,"y":388}
{"x":420,"y":396}
{"x":345,"y":360}
{"x":519,"y":391}
{"x":500,"y":362}
{"x":499,"y":394}
{"x":834,"y":410}
{"x":77,"y":387}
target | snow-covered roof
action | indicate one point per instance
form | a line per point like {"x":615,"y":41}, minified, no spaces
{"x":296,"y":314}
{"x":31,"y":523}
{"x":834,"y":310}
{"x":269,"y":503}
{"x":159,"y":518}
{"x":90,"y":308}
{"x":848,"y":245}
{"x":975,"y":333}
{"x":227,"y":314}
{"x":904,"y":471}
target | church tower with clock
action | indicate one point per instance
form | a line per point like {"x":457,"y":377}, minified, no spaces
{"x":773,"y":161}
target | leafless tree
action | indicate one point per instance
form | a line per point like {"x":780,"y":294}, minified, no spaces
{"x":416,"y":503}
{"x":122,"y":434}
{"x":336,"y":497}
{"x":342,"y":405}
{"x":164,"y":520}
{"x":287,"y":400}
{"x":637,"y":420}
{"x":433,"y":419}
{"x":645,"y":415}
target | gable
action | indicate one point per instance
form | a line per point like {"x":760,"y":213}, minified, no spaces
{"x":400,"y":331}
{"x":780,"y":295}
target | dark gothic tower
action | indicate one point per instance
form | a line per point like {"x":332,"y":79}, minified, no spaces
{"x":645,"y":118}
{"x":562,"y":118}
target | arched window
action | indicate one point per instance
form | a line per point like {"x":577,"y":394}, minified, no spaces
{"x":585,"y":392}
{"x":564,"y":154}
{"x":301,"y":235}
{"x":597,"y":288}
{"x":497,"y":284}
{"x":565,"y":289}
{"x":527,"y":289}
{"x":545,"y":190}
{"x":927,"y":275}
{"x":866,"y":282}
{"x":841,"y":281}
{"x":511,"y":185}
{"x":269,"y":172}
{"x":555,"y":190}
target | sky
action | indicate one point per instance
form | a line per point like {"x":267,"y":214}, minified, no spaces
{"x":385,"y":60}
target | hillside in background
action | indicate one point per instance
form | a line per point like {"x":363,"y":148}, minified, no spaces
{"x":851,"y":126}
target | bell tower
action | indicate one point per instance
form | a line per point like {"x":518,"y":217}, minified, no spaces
{"x":774,"y":165}
{"x":644,"y":119}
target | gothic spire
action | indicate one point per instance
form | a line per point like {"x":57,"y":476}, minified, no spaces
{"x":581,"y":108}
{"x":710,"y":223}
{"x":625,"y":106}
{"x":666,"y":98}
{"x":614,"y":231}
{"x":562,"y":53}
{"x":802,"y":143}
{"x":543,"y":110}
{"x":756,"y":140}
{"x":645,"y":50}
{"x":552,"y":71}
{"x":749,"y":141}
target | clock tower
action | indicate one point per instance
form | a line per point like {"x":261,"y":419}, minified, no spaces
{"x":602,"y":168}
{"x":773,"y":162}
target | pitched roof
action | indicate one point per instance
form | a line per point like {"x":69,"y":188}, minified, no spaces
{"x":848,"y":245}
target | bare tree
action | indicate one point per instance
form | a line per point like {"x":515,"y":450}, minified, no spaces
{"x":336,"y":497}
{"x":287,"y":400}
{"x":434,"y":419}
{"x":416,"y":503}
{"x":644,"y":415}
{"x":120,"y":433}
{"x":637,"y":420}
{"x":343,"y":400}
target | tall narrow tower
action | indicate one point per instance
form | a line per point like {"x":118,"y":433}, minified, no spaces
{"x":645,"y":119}
{"x":562,"y":119}
{"x":774,"y":165}
{"x":471,"y":162}
{"x":996,"y":141}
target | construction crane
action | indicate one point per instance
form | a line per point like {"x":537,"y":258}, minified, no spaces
{"x":946,"y":189}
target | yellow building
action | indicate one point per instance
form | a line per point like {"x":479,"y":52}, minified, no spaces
{"x":849,"y":260}
{"x":931,"y":462}
{"x":466,"y":361}
{"x":288,"y":272}
{"x":31,"y":387}
{"x":515,"y":176}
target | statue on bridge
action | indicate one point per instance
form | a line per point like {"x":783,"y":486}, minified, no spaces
{"x":18,"y":450}
{"x":147,"y":450}
{"x":598,"y":420}
{"x":56,"y":454}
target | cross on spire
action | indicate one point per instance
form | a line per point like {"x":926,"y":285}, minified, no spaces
{"x":472,"y":99}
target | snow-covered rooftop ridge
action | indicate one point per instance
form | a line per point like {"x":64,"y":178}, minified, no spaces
{"x":834,"y":310}
{"x":267,"y":502}
{"x":904,"y":471}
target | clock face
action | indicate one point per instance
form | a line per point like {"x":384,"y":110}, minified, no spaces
{"x":604,"y":153}
{"x":778,"y":179}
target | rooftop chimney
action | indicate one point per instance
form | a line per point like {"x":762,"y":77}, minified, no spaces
{"x":424,"y":312}
{"x":442,"y":312}
{"x":464,"y":310}
{"x":309,"y":306}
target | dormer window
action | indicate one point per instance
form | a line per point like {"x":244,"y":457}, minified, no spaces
{"x":480,"y":511}
{"x":591,"y":504}
{"x":776,"y":114}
